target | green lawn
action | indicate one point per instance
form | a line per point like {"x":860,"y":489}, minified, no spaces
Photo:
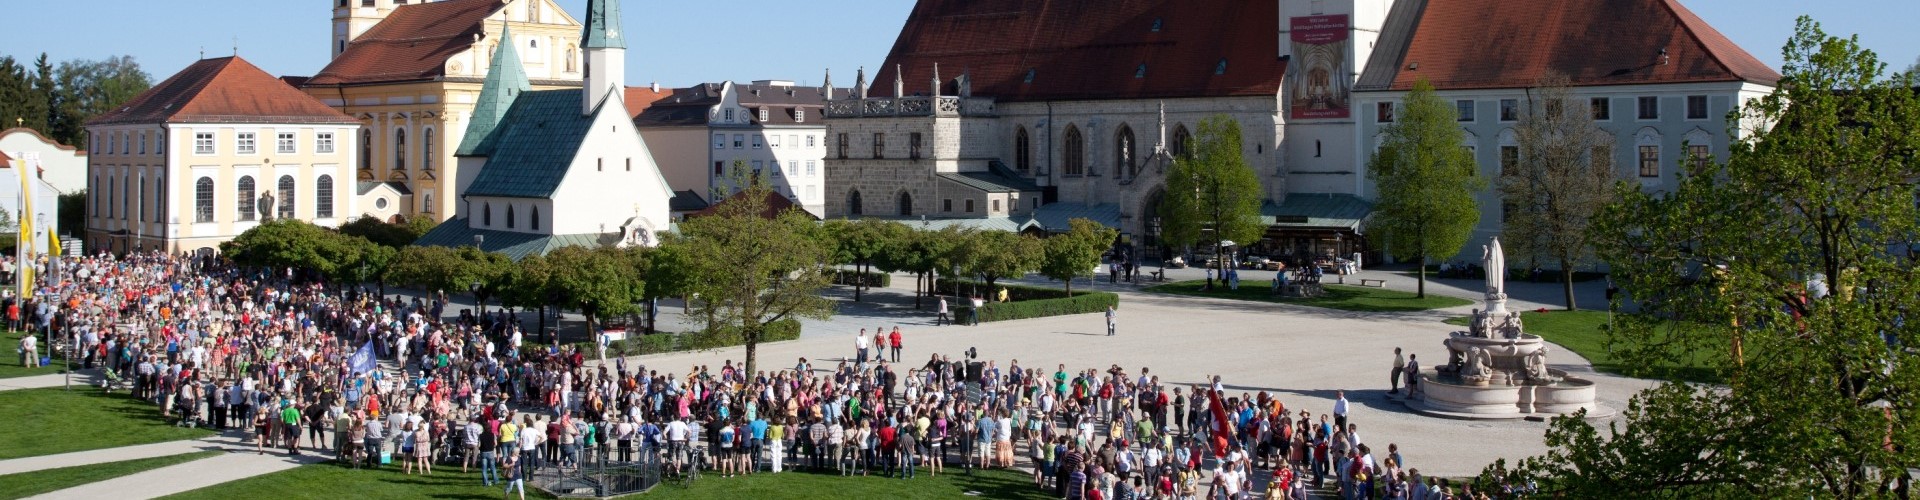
{"x":331,"y":482}
{"x":52,"y":420}
{"x":28,"y":484}
{"x":12,"y":367}
{"x":1585,"y":332}
{"x":1343,"y":297}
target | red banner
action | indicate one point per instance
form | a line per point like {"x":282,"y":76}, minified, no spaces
{"x":1322,"y":70}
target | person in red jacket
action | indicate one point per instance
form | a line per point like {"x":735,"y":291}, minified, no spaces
{"x":895,"y":338}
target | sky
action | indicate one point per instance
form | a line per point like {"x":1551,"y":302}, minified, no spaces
{"x":681,"y":43}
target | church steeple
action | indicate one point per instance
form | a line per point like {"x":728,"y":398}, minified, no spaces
{"x":606,"y":54}
{"x":826,"y":88}
{"x":506,"y":80}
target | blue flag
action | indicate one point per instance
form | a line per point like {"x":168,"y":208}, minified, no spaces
{"x":362,"y":360}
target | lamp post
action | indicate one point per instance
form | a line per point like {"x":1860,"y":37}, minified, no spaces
{"x":480,"y":305}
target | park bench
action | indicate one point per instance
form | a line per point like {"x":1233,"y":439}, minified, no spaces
{"x":1377,"y":283}
{"x":1160,"y":275}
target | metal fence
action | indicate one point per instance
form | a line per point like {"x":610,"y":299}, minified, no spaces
{"x":597,"y":477}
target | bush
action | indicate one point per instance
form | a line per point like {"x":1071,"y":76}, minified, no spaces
{"x":637,"y":344}
{"x":1029,"y":301}
{"x":874,"y":279}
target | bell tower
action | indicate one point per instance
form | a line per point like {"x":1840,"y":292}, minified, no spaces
{"x":351,"y":18}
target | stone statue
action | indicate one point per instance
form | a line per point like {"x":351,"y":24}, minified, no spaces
{"x":1537,"y":366}
{"x":265,"y":205}
{"x":1479,"y":366}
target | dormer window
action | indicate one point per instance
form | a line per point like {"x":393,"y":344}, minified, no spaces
{"x":1140,"y":72}
{"x":1030,"y":73}
{"x":729,"y":115}
{"x":1157,"y":23}
{"x":763,"y":115}
{"x":799,"y":115}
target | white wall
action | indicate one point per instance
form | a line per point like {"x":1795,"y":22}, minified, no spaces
{"x":64,"y":167}
{"x":594,"y":200}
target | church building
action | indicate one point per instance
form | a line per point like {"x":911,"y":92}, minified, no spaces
{"x":544,"y":169}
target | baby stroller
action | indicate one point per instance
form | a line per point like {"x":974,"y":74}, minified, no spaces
{"x":109,"y":380}
{"x":189,"y":412}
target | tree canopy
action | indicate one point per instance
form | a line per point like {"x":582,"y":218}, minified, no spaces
{"x":1212,"y":195}
{"x":992,"y":255}
{"x":1076,"y":252}
{"x":752,"y":270}
{"x":1426,"y":183}
{"x":1563,"y":176}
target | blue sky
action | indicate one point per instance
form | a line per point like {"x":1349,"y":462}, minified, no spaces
{"x":679,"y":43}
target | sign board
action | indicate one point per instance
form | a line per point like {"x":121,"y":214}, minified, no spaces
{"x":1322,"y":85}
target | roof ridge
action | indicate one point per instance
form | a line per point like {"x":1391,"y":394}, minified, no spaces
{"x":1693,"y":23}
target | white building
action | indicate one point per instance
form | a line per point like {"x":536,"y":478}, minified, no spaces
{"x":61,"y":166}
{"x":546,"y":169}
{"x":771,"y":127}
{"x":209,"y":153}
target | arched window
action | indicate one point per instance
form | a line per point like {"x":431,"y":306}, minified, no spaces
{"x":141,"y":214}
{"x":244,"y":198}
{"x":906,"y":204}
{"x":95,"y":189}
{"x":1076,"y":152}
{"x":1181,"y":138}
{"x":323,"y":197}
{"x":1022,"y":150}
{"x":126,"y":193}
{"x":509,"y":216}
{"x":426,"y":149}
{"x":286,"y":196}
{"x":486,"y":215}
{"x":853,"y":202}
{"x":366,"y":150}
{"x":109,"y":196}
{"x":203,"y":200}
{"x":573,"y":59}
{"x":400,"y":149}
{"x":1123,"y":164}
{"x":535,"y":221}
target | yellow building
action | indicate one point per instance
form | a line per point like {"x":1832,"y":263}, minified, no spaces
{"x":410,"y":72}
{"x":211,"y":152}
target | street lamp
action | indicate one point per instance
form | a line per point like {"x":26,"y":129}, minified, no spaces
{"x":475,"y":288}
{"x":479,"y":240}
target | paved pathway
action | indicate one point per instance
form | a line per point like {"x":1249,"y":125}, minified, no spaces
{"x":53,"y":378}
{"x":240,"y":462}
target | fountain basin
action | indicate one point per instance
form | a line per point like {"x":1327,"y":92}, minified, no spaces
{"x":1445,"y":395}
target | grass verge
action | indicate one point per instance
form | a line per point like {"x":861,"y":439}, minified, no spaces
{"x":1585,"y":332}
{"x":28,"y":484}
{"x":52,"y":420}
{"x":13,"y":367}
{"x":1347,"y":298}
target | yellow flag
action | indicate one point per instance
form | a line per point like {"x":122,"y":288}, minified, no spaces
{"x":53,"y":244}
{"x":27,"y":231}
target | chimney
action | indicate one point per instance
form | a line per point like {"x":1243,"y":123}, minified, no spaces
{"x":934,"y":90}
{"x":899,"y":82}
{"x":655,"y":87}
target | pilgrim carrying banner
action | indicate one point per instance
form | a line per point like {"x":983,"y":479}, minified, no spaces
{"x":1322,"y":73}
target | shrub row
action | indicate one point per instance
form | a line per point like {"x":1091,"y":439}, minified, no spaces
{"x":1014,"y":292}
{"x":1028,"y":301}
{"x":873,"y":279}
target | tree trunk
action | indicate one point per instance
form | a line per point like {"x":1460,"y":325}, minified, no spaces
{"x":919,"y":288}
{"x":1421,"y":289}
{"x":751,"y":336}
{"x":860,"y":278}
{"x":1069,"y":286}
{"x":543,"y":319}
{"x":1566,"y":282}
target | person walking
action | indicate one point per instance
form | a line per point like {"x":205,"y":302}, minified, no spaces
{"x":1110,"y":319}
{"x":1340,"y":410}
{"x":1393,"y":377}
{"x":973,"y":316}
{"x":895,"y":339}
{"x":860,"y":348}
{"x":943,"y":318}
{"x":512,"y":471}
{"x":1412,"y":373}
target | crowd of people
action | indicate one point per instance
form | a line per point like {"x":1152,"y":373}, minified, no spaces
{"x":376,"y":380}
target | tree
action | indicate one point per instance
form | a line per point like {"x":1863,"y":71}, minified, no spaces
{"x":599,"y":282}
{"x":16,"y":91}
{"x":992,"y":255}
{"x":89,"y":88}
{"x":1426,"y":183}
{"x":1563,"y":178}
{"x":860,"y":243}
{"x":529,"y":285}
{"x":73,"y":213}
{"x":1795,"y":254}
{"x":430,"y":268}
{"x":753,"y":270}
{"x":290,"y":243}
{"x":385,"y":233}
{"x":1212,"y":195}
{"x":1077,"y":252}
{"x":919,"y":251}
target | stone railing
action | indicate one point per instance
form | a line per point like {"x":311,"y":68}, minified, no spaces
{"x":910,"y":106}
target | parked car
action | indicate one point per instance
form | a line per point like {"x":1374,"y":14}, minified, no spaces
{"x":1255,"y":262}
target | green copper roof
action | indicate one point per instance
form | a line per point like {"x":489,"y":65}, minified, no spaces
{"x":529,"y":153}
{"x":506,"y":80}
{"x":603,"y":26}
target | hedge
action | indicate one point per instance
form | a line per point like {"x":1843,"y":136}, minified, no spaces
{"x":873,"y":279}
{"x":1014,"y":292}
{"x":638,"y":344}
{"x":1029,"y":301}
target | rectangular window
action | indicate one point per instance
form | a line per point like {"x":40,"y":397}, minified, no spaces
{"x":776,"y":167}
{"x":773,"y":141}
{"x":809,"y":142}
{"x":946,"y":205}
{"x":841,"y":145}
{"x":756,"y":141}
{"x":203,"y":143}
{"x":1509,"y":110}
{"x":143,"y":143}
{"x":1602,"y":108}
{"x":1649,"y":161}
{"x":719,"y":168}
{"x":799,"y":116}
{"x":323,"y":143}
{"x":719,"y":141}
{"x":283,"y":143}
{"x":793,"y":141}
{"x":1699,"y":154}
{"x":160,"y":142}
{"x":969,"y":205}
{"x":1383,"y":112}
{"x":1509,"y":160}
{"x":913,"y":146}
{"x":758,"y":165}
{"x":739,"y":141}
{"x":1649,"y":108}
{"x":809,"y":167}
{"x":1463,"y":108}
{"x":243,"y":143}
{"x":879,"y":145}
{"x":1696,"y":107}
{"x":996,"y":206}
{"x":793,"y":167}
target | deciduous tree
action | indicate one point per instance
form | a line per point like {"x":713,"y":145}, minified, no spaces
{"x":753,"y":270}
{"x":1426,"y":183}
{"x":1212,"y":195}
{"x":1562,"y":179}
{"x":1076,"y":252}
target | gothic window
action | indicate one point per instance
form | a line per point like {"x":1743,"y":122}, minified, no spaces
{"x":400,"y":149}
{"x":841,"y":145}
{"x":879,"y":145}
{"x":1181,"y":138}
{"x":1123,"y":164}
{"x":1022,"y":150}
{"x":853,"y":202}
{"x":509,"y":216}
{"x":1076,"y":161}
{"x":244,"y":198}
{"x":913,"y":146}
{"x":534,"y":223}
{"x":486,"y":215}
{"x":323,"y":197}
{"x":286,"y":196}
{"x":906,"y":204}
{"x":203,"y":200}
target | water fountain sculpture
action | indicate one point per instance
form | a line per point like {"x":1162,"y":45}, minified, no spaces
{"x":1495,"y":369}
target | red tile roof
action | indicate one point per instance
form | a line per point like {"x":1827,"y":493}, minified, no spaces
{"x":222,"y":90}
{"x":412,"y":43}
{"x":775,"y":205}
{"x":641,"y":98}
{"x":1466,"y":44}
{"x":1090,"y":49}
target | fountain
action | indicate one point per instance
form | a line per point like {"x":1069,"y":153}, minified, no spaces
{"x":1495,"y":369}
